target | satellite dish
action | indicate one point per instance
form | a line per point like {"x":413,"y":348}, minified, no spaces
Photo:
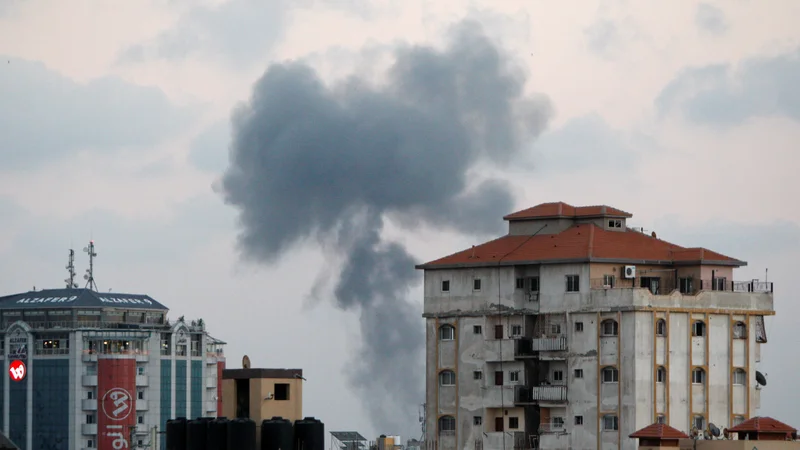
{"x":726,"y":433}
{"x":761,"y":379}
{"x":695,"y":431}
{"x":713,"y":429}
{"x":245,"y":362}
{"x":707,"y":435}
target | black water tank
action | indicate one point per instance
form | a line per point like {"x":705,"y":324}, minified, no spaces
{"x":309,"y":434}
{"x":176,"y":434}
{"x":197,"y":434}
{"x":218,"y":434}
{"x":277,"y":434}
{"x":242,"y":434}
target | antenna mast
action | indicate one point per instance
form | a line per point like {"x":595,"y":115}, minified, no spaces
{"x":71,"y":270}
{"x":89,"y":277}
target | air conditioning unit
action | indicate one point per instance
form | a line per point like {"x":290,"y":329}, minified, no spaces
{"x":629,"y":272}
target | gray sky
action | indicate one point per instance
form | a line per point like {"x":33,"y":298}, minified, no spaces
{"x":116,"y":125}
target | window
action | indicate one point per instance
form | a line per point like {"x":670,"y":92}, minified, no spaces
{"x":610,"y":423}
{"x":608,"y":281}
{"x":446,"y":286}
{"x":578,"y":420}
{"x":520,"y":283}
{"x":476,"y":284}
{"x":686,"y":285}
{"x":477,"y":329}
{"x":477,"y":375}
{"x":609,"y":327}
{"x":447,"y":333}
{"x":477,"y":420}
{"x":140,"y":394}
{"x":698,"y":376}
{"x":558,"y":422}
{"x":737,"y":420}
{"x":533,"y":284}
{"x":661,"y":327}
{"x":699,"y":422}
{"x":578,"y":373}
{"x":739,"y":330}
{"x":447,"y":378}
{"x":555,"y":328}
{"x":90,"y":419}
{"x":661,"y":375}
{"x":739,"y":377}
{"x":661,"y":418}
{"x":573,"y":283}
{"x":516,"y":330}
{"x":578,"y":327}
{"x":140,"y":419}
{"x":447,"y":425}
{"x":720,"y":284}
{"x":513,"y":423}
{"x":698,"y":328}
{"x":514,"y":376}
{"x":614,"y":223}
{"x":140,"y":370}
{"x":610,"y":375}
{"x":90,"y":395}
{"x":90,"y":443}
{"x":281,"y":391}
{"x":558,"y":375}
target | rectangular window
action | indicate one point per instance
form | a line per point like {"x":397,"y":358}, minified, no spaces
{"x":446,"y":286}
{"x":610,"y":423}
{"x":662,"y":419}
{"x":140,"y":419}
{"x":573,"y":283}
{"x":477,"y":329}
{"x":578,"y":373}
{"x":90,"y":443}
{"x":90,"y":395}
{"x":281,"y":391}
{"x":578,"y":327}
{"x":513,"y":423}
{"x":686,"y":285}
{"x":140,"y":394}
{"x":498,"y":332}
{"x":533,"y":284}
{"x":477,"y":375}
{"x":720,"y":284}
{"x":739,"y":377}
{"x":90,"y":418}
{"x":477,"y":420}
{"x":514,"y":376}
{"x":516,"y":330}
{"x":558,"y":422}
{"x":476,"y":284}
{"x":520,"y":283}
{"x":578,"y":420}
{"x":555,"y":328}
{"x":608,"y":281}
{"x":558,"y":375}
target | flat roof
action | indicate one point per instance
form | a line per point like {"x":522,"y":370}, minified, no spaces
{"x":244,"y":374}
{"x":78,"y":298}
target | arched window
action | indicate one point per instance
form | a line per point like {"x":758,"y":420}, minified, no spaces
{"x":739,"y":330}
{"x":610,"y":375}
{"x":661,"y":418}
{"x":447,"y":333}
{"x":447,"y":378}
{"x":698,"y":376}
{"x":661,"y":375}
{"x":447,"y":425}
{"x":609,"y":327}
{"x":698,"y":328}
{"x":739,"y":377}
{"x":699,"y":422}
{"x":661,"y":327}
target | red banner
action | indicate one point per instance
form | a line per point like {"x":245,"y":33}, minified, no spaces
{"x":116,"y":412}
{"x":220,"y":368}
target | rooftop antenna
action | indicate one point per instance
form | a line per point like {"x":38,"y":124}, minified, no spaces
{"x":89,"y":277}
{"x":71,"y":270}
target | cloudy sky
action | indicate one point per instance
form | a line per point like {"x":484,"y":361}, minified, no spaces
{"x":231,"y":158}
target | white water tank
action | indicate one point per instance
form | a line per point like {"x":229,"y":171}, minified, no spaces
{"x":397,"y":440}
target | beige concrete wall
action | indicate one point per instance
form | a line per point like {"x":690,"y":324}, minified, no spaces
{"x":260,"y":408}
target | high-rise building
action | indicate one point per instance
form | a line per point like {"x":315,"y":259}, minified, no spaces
{"x":91,"y":370}
{"x":574,"y":330}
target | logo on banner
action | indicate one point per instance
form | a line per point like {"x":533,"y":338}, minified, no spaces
{"x":117,"y":404}
{"x":17,"y":370}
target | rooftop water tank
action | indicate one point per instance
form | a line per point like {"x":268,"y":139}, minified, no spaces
{"x":176,"y":434}
{"x":309,"y":434}
{"x":242,"y":434}
{"x":277,"y":434}
{"x":218,"y":434}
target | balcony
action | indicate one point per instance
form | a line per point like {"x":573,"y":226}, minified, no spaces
{"x":142,"y":357}
{"x":142,"y":380}
{"x":495,"y":350}
{"x":141,"y":405}
{"x":89,"y":404}
{"x":533,"y":347}
{"x":211,"y":383}
{"x":661,"y":284}
{"x":89,"y":356}
{"x":529,"y":395}
{"x":89,"y":380}
{"x":552,"y":427}
{"x":504,"y":440}
{"x":89,"y":428}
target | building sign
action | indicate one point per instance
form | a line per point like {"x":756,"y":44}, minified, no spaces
{"x":18,"y":344}
{"x":181,"y":338}
{"x":17,"y":370}
{"x":48,"y":299}
{"x":126,"y":301}
{"x":116,"y":379}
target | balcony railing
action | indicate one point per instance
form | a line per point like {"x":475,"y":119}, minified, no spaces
{"x":536,"y":394}
{"x":659,"y":284}
{"x":70,"y":324}
{"x":533,"y":346}
{"x":552,"y":427}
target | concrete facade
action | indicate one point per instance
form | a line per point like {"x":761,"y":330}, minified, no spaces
{"x":572,"y":354}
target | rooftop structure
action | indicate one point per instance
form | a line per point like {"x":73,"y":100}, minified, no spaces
{"x":575,"y":329}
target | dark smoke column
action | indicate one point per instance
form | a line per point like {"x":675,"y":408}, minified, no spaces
{"x":331,"y":163}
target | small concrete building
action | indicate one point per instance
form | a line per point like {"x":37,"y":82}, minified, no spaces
{"x":770,"y":434}
{"x":261,"y":394}
{"x":575,"y":329}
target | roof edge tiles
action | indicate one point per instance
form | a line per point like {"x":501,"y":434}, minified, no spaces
{"x":561,"y":210}
{"x":659,"y":431}
{"x":762,"y":425}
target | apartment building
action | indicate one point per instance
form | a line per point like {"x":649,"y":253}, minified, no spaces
{"x":575,"y":330}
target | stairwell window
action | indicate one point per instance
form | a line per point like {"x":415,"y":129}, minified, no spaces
{"x":477,"y":375}
{"x":699,"y":422}
{"x":609,"y":327}
{"x":610,"y":375}
{"x":578,"y":373}
{"x":558,"y":376}
{"x":514,"y":376}
{"x":661,"y":327}
{"x":446,"y":286}
{"x":661,"y":375}
{"x":578,"y":327}
{"x":698,"y":376}
{"x":610,"y":422}
{"x":447,"y":333}
{"x":739,"y":377}
{"x":447,"y":378}
{"x":573,"y":283}
{"x":533,"y":284}
{"x":739,"y":330}
{"x":447,"y":425}
{"x":520,"y":283}
{"x":477,"y":329}
{"x":662,"y":419}
{"x":698,"y":328}
{"x":476,"y":284}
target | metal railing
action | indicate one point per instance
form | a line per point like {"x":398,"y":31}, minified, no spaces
{"x":70,"y":324}
{"x":532,"y":346}
{"x":661,"y":284}
{"x":535,"y":394}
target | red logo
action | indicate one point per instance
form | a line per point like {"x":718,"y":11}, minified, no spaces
{"x":17,"y":370}
{"x":117,"y":404}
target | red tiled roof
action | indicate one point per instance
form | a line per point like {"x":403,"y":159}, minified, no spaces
{"x":659,"y":431}
{"x":762,"y":425}
{"x":561,"y":209}
{"x":582,"y":242}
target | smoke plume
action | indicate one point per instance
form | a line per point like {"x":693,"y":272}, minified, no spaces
{"x":331,"y":163}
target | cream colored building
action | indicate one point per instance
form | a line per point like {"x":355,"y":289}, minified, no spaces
{"x":261,"y":394}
